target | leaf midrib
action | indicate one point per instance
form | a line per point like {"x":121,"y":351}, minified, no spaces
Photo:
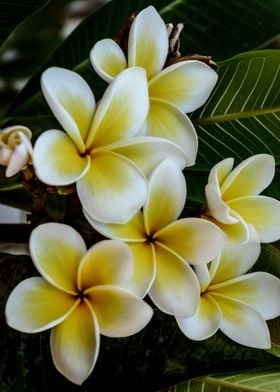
{"x":235,"y":116}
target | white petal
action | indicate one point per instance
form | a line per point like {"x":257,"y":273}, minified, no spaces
{"x":250,"y":177}
{"x":147,"y":152}
{"x":148,"y":42}
{"x":167,"y":121}
{"x":113,"y":190}
{"x":204,"y":323}
{"x":242,"y":323}
{"x":262,"y":212}
{"x":56,"y":250}
{"x":166,"y":196}
{"x":119,"y":312}
{"x":34,"y":305}
{"x":217,"y":208}
{"x":176,"y":288}
{"x":122,"y":109}
{"x":71,"y":101}
{"x":219,"y":173}
{"x":186,"y":84}
{"x":107,"y":262}
{"x":107,"y":59}
{"x":52,"y":153}
{"x":75,"y":344}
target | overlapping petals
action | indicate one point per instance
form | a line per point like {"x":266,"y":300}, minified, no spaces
{"x":237,"y":304}
{"x":162,"y":247}
{"x":110,"y":184}
{"x":233,"y":199}
{"x":177,"y":89}
{"x":82,"y":294}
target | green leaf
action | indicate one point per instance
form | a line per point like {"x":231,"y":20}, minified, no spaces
{"x":253,"y":380}
{"x":242,"y":116}
{"x":212,"y":27}
{"x":13,"y":12}
{"x":269,"y":260}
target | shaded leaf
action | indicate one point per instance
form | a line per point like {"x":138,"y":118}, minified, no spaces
{"x":242,"y":116}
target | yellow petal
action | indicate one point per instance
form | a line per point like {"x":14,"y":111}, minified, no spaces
{"x":119,"y":312}
{"x":236,"y":232}
{"x":166,"y":196}
{"x":56,"y":250}
{"x":196,"y":240}
{"x":186,"y":84}
{"x":107,"y":59}
{"x":217,"y":208}
{"x":242,"y":323}
{"x":219,"y":173}
{"x":148,"y":42}
{"x":107,"y":262}
{"x":122,"y":109}
{"x":52,"y":153}
{"x":262,"y":212}
{"x":260,"y":290}
{"x":250,"y":177}
{"x":144,"y":268}
{"x":167,"y":121}
{"x":71,"y":101}
{"x":176,"y":288}
{"x":34,"y":305}
{"x":204,"y":323}
{"x":132,"y":231}
{"x":113,"y":190}
{"x":75,"y":344}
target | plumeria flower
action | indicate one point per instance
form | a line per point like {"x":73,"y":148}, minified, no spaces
{"x":233,"y":199}
{"x":97,"y":151}
{"x":80,"y":295}
{"x":15,"y":149}
{"x":162,"y":246}
{"x":177,"y":89}
{"x":234,"y":302}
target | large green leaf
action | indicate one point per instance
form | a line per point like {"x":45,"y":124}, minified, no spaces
{"x":269,"y":260}
{"x":254,"y":380}
{"x":242,"y":116}
{"x":12,"y":12}
{"x":214,"y":27}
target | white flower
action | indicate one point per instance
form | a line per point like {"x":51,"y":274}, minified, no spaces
{"x":233,"y":198}
{"x":80,"y":295}
{"x":162,"y":246}
{"x":235,"y":303}
{"x":98,"y":150}
{"x":177,"y":89}
{"x":15,"y":149}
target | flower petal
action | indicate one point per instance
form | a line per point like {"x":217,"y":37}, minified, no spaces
{"x":186,"y":84}
{"x":75,"y":344}
{"x":250,"y":177}
{"x":176,"y":288}
{"x":119,"y":312}
{"x":18,"y":160}
{"x":71,"y":101}
{"x":144,"y":268}
{"x":107,"y":262}
{"x":262,"y":212}
{"x":167,"y":121}
{"x":148,"y":42}
{"x":236,"y":232}
{"x":34,"y":305}
{"x":242,"y":323}
{"x":113,"y":190}
{"x":196,"y":240}
{"x":122,"y":109}
{"x":52,"y":153}
{"x":260,"y":290}
{"x":204,"y":323}
{"x":203,"y":274}
{"x":219,"y":173}
{"x":107,"y":59}
{"x":237,"y":259}
{"x":147,"y":152}
{"x":166,"y":196}
{"x":132,"y":231}
{"x":217,"y":208}
{"x":56,"y":250}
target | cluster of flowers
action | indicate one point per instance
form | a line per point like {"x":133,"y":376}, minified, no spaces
{"x":126,"y":156}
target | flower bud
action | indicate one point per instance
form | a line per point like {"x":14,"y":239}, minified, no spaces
{"x":15,"y":149}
